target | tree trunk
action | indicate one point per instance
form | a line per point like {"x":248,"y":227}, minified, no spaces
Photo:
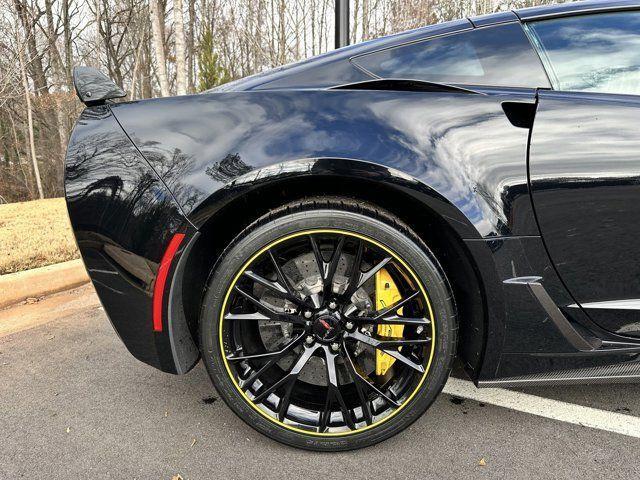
{"x":181,"y":54}
{"x":98,"y":4}
{"x":36,"y":69}
{"x":147,"y":90}
{"x":313,"y":28}
{"x":68,"y":48}
{"x":366,"y":20}
{"x":354,"y":27}
{"x":282,"y":39}
{"x":157,"y":20}
{"x":136,"y":68}
{"x":32,"y":145}
{"x":191,"y":46}
{"x":58,"y":78}
{"x":26,"y":173}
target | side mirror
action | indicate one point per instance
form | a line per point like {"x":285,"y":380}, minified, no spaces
{"x":93,"y":87}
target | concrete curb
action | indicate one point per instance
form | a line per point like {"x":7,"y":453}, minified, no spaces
{"x":16,"y":287}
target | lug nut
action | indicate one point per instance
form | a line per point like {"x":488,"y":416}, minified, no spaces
{"x":419,"y":330}
{"x":307,"y":314}
{"x":335,"y":347}
{"x":309,"y":340}
{"x":349,"y":325}
{"x":333,"y":305}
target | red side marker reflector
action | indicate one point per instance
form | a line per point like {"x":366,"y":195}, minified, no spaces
{"x":161,"y":280}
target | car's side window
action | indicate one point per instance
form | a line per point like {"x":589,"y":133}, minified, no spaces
{"x":591,"y":53}
{"x":497,"y":56}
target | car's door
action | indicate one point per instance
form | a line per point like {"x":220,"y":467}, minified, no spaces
{"x":584,"y":162}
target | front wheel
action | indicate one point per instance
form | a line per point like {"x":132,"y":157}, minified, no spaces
{"x":328,"y":325}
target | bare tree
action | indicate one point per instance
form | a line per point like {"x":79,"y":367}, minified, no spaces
{"x":191,"y":43}
{"x":68,"y":47}
{"x":181,"y":52}
{"x":156,"y":47}
{"x":32,"y":145}
{"x":29,"y":21}
{"x":157,"y":22}
{"x":58,"y":73}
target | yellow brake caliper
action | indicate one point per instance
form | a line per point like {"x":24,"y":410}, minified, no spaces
{"x":386,"y":294}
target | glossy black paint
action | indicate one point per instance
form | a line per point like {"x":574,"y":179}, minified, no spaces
{"x":123,"y":218}
{"x":522,"y":339}
{"x":493,"y":19}
{"x":420,"y":142}
{"x":138,"y":172}
{"x":586,"y":198}
{"x":94,"y":87}
{"x":574,"y":8}
{"x":443,"y":144}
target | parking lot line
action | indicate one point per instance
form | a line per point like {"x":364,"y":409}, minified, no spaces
{"x":546,"y":407}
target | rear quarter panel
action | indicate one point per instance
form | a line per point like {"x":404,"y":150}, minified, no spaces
{"x":123,"y":218}
{"x":460,"y":146}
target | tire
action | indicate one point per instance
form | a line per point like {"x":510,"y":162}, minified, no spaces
{"x":344,"y":218}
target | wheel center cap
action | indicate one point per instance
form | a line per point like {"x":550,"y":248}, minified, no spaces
{"x":326,"y":327}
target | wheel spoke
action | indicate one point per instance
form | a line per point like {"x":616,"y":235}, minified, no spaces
{"x":247,"y":382}
{"x":274,"y":357}
{"x":334,"y":389}
{"x":390,"y":342}
{"x":277,"y":354}
{"x":275,"y":287}
{"x":283,"y":406}
{"x":354,"y":272}
{"x":331,"y":269}
{"x":372,"y":271}
{"x":392,"y":309}
{"x":356,"y":335}
{"x":358,"y":378}
{"x":320,"y":263}
{"x":388,"y":316}
{"x":393,"y":320}
{"x":299,"y":364}
{"x":257,"y":316}
{"x":325,"y":414}
{"x":357,"y":381}
{"x":356,"y":277}
{"x":269,"y":312}
{"x":281,"y":276}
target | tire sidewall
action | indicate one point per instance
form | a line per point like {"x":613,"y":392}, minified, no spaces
{"x":405,"y":245}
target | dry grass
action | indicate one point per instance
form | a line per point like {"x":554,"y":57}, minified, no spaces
{"x":35,"y":234}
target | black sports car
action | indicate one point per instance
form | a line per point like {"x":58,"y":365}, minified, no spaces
{"x":329,"y":235}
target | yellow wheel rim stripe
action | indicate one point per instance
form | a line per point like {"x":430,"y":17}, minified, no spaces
{"x":338,"y":232}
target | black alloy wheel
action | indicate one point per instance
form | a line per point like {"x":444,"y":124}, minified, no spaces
{"x":328,"y":329}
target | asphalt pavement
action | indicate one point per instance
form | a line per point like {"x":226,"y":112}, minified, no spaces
{"x":75,"y":404}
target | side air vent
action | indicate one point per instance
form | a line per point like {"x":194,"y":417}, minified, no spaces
{"x":404,"y":85}
{"x":563,"y":324}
